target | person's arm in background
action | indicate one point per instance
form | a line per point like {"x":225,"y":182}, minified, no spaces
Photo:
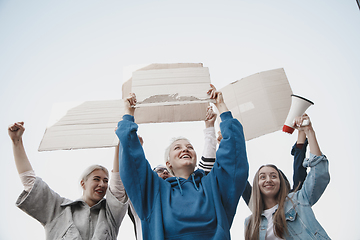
{"x":116,"y":186}
{"x":207,"y":160}
{"x":118,"y":190}
{"x":299,"y":153}
{"x":247,"y":193}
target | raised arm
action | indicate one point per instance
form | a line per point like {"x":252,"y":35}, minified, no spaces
{"x":116,"y":160}
{"x":36,"y":198}
{"x":310,"y":134}
{"x":299,"y":153}
{"x":140,"y":182}
{"x":209,"y":153}
{"x":247,"y":191}
{"x":116,"y":186}
{"x":217,"y":95}
{"x":231,"y":167}
{"x":318,"y":177}
{"x":22,"y":162}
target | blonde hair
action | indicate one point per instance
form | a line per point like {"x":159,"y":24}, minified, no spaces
{"x":84,"y":176}
{"x":167,"y":151}
{"x":257,"y":207}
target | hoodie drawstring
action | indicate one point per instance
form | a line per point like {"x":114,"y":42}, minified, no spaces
{"x":193,"y":179}
{"x":181,"y":192}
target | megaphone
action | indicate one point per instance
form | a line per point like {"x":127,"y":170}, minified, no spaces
{"x":298,"y":108}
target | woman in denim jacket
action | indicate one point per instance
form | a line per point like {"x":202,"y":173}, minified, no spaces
{"x":278,"y":214}
{"x":298,"y":151}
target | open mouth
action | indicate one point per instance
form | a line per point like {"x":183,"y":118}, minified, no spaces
{"x":100,"y":192}
{"x":185,"y":156}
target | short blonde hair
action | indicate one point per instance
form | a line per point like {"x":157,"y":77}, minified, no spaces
{"x":167,"y":151}
{"x":85,"y":175}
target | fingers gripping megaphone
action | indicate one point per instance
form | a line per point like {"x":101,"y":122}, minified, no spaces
{"x":297,"y":108}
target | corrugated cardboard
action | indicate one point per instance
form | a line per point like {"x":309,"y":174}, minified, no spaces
{"x":260,"y":102}
{"x":89,"y":125}
{"x":170,"y":92}
{"x":165,"y":92}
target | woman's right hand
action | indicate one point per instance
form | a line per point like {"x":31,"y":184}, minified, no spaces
{"x":130,"y":103}
{"x":16,"y":131}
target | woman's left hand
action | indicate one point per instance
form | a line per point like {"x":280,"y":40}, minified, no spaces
{"x":217,"y":95}
{"x":210,"y":117}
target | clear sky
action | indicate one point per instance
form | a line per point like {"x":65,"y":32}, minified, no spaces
{"x":63,"y":51}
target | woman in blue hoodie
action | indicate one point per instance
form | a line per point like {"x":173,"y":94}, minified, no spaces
{"x":189,"y":205}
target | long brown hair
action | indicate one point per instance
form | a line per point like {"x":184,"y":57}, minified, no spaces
{"x":257,"y":207}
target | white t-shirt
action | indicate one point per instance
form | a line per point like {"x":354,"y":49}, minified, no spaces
{"x":268,"y":213}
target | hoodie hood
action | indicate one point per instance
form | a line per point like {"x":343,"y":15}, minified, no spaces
{"x":194,"y":178}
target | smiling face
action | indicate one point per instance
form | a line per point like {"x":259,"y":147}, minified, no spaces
{"x":269,"y":182}
{"x":182,"y":157}
{"x":94,"y":187}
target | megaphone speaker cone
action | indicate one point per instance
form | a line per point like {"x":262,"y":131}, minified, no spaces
{"x":297,"y":108}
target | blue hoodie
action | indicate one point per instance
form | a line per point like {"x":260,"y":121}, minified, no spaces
{"x":200,"y":207}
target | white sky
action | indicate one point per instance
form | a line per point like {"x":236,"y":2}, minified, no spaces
{"x":71,"y":51}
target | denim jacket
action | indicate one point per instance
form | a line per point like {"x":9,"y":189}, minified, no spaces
{"x":58,"y":215}
{"x":300,"y":218}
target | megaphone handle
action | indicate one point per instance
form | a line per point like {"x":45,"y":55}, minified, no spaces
{"x":305,"y":122}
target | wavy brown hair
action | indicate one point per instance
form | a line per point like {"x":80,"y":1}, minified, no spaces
{"x":257,"y":207}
